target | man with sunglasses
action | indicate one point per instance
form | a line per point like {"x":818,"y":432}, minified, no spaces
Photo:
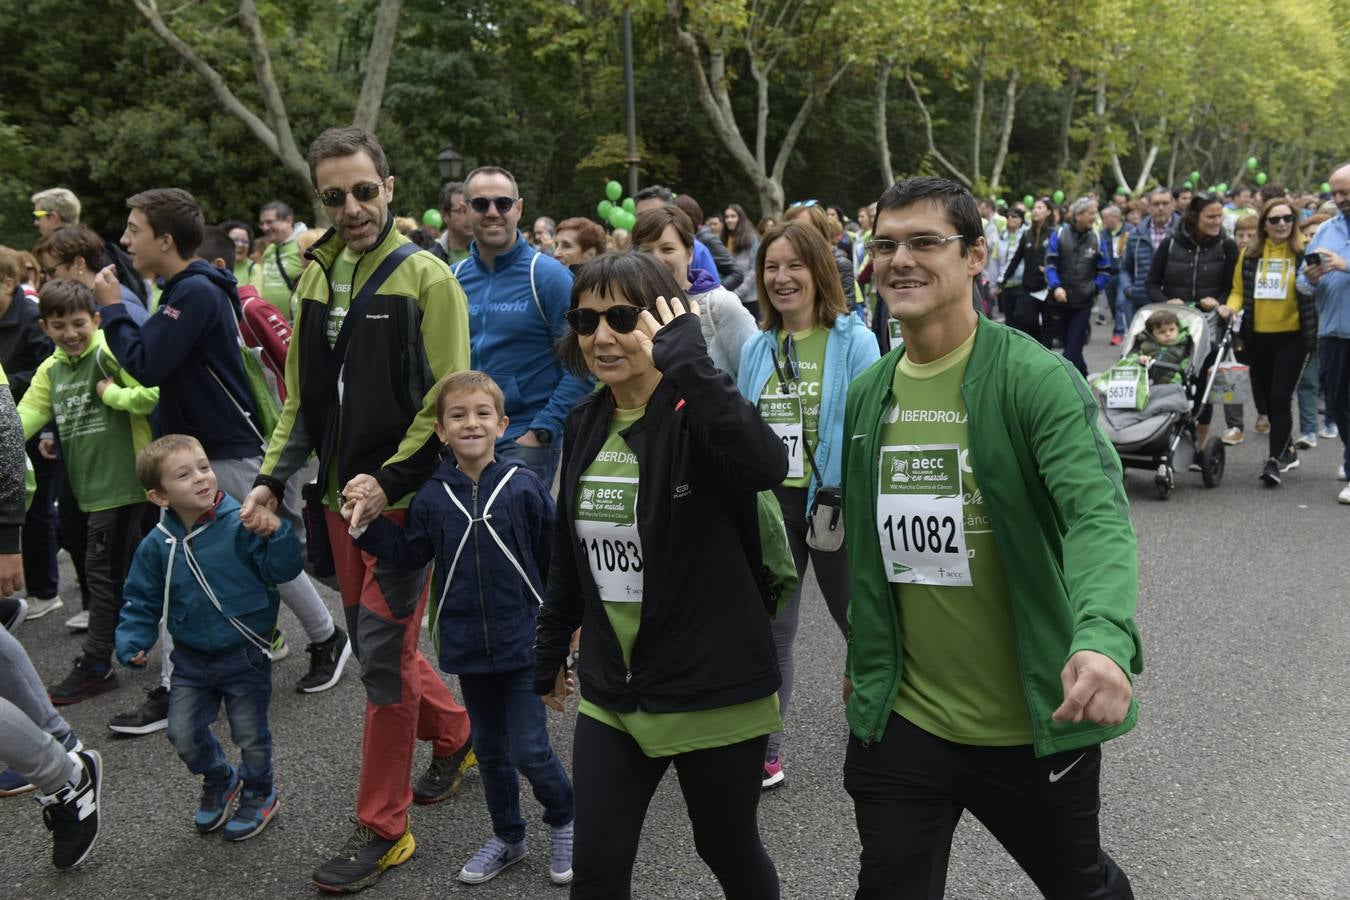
{"x":379,"y":323}
{"x":993,"y":573}
{"x":517,"y":300}
{"x":55,"y":207}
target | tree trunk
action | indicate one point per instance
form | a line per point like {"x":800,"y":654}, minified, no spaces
{"x":1087,"y":165}
{"x":977,"y":114}
{"x":1066,"y":120}
{"x":1004,"y":131}
{"x":377,"y":64}
{"x":883,"y":80}
{"x":933,"y":151}
{"x":1172,"y":163}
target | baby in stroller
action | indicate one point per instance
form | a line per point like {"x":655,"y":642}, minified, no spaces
{"x":1163,"y":341}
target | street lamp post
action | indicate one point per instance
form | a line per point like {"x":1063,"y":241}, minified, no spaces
{"x":630,"y":102}
{"x":450,"y":164}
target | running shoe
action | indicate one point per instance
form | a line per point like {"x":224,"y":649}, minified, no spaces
{"x":1328,"y":433}
{"x":40,"y":606}
{"x":79,"y":622}
{"x":326,"y":661}
{"x":560,"y":853}
{"x":445,"y":776}
{"x":13,"y":610}
{"x":1306,"y":441}
{"x":1232,"y":437}
{"x":251,"y":817}
{"x":489,"y":862}
{"x":1344,"y":495}
{"x":1288,"y":460}
{"x":216,"y":799}
{"x":1116,"y":340}
{"x":12,"y":783}
{"x":1270,"y":473}
{"x":87,"y":679}
{"x":149,"y":717}
{"x":72,"y":814}
{"x":362,"y":860}
{"x":773,"y":773}
{"x":1262,"y":425}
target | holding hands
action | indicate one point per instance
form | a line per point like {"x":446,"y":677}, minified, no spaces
{"x":362,"y":501}
{"x":563,"y":687}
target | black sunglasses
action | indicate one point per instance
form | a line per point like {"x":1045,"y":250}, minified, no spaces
{"x":480,"y":204}
{"x":363,"y":192}
{"x":621,"y":319}
{"x":1276,"y":220}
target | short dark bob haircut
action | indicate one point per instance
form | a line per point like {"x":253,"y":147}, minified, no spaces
{"x":633,"y":277}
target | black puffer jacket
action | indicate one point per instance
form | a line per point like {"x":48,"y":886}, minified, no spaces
{"x":1183,"y":270}
{"x":1307,"y":306}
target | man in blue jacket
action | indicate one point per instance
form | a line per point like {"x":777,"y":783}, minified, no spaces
{"x":190,"y":349}
{"x":517,"y":298}
{"x":1139,"y":249}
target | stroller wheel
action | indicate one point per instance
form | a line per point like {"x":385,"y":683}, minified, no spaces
{"x":1212,"y":460}
{"x":1164,"y":483}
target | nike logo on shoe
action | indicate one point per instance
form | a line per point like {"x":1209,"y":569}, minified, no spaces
{"x":1056,"y":776}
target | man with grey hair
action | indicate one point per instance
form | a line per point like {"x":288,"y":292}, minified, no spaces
{"x":1077,"y":268}
{"x":53,"y":208}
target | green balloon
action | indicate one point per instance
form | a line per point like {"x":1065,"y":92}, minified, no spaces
{"x":603,"y":208}
{"x":629,"y":220}
{"x":1195,"y":176}
{"x":1253,"y":162}
{"x":1188,"y":186}
{"x":1223,"y":187}
{"x":629,"y":205}
{"x":616,"y":216}
{"x":1326,"y":187}
{"x":1212,"y":189}
{"x":432,"y":217}
{"x":1261,"y":178}
{"x":1029,"y":201}
{"x":614,"y":191}
{"x":1123,"y":190}
{"x":1057,"y":196}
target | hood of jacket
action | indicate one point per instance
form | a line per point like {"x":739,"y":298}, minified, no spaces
{"x":701,"y":281}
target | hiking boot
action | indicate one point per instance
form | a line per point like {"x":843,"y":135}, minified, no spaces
{"x":489,"y":862}
{"x":560,"y":853}
{"x":87,"y":679}
{"x":13,"y":610}
{"x":12,"y":783}
{"x":149,"y":717}
{"x":216,"y":799}
{"x":254,"y":812}
{"x":326,"y":661}
{"x":1270,"y":473}
{"x":40,"y":606}
{"x":72,"y":815}
{"x":362,"y":860}
{"x":445,"y":776}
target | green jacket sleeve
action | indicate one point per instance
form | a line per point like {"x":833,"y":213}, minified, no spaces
{"x":130,"y":396}
{"x":1082,"y":474}
{"x":35,"y":409}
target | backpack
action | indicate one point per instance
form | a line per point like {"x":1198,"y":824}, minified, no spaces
{"x":264,"y":329}
{"x":262,"y":387}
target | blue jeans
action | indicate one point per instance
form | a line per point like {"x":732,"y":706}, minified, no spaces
{"x":1309,"y":387}
{"x":1124,"y":309}
{"x":542,"y":461}
{"x":242,"y":678}
{"x":510,"y":732}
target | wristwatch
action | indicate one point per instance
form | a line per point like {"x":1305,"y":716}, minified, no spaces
{"x":542,"y":435}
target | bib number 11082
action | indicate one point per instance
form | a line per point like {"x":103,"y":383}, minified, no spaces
{"x":921,"y":515}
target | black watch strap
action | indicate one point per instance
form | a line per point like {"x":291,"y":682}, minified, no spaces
{"x":543,"y":435}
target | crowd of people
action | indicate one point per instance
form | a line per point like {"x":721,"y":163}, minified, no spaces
{"x":600,"y":461}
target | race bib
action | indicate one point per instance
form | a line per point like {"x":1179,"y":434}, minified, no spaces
{"x":783,"y":414}
{"x":606,"y":526}
{"x":920,"y":516}
{"x":1271,"y":283}
{"x":1122,"y":390}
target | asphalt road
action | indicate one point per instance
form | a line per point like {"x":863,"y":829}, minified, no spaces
{"x":1233,"y":785}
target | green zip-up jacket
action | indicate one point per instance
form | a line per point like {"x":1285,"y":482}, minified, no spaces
{"x":414,"y":332}
{"x":1052,"y":485}
{"x":100,"y":438}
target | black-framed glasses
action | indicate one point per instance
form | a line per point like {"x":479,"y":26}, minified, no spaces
{"x":364,"y":192}
{"x":884,"y":248}
{"x":621,"y":319}
{"x":481,"y":205}
{"x":1280,"y":220}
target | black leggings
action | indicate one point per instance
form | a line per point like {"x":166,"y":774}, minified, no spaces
{"x":1276,"y":362}
{"x":613,"y":782}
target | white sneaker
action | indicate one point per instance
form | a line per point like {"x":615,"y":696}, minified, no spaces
{"x":1232,"y":436}
{"x":1306,"y":441}
{"x":1344,"y":495}
{"x":1340,"y":473}
{"x":1329,"y":433}
{"x":37,"y":607}
{"x":79,"y":621}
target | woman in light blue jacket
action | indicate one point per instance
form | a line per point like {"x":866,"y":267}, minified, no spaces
{"x":797,"y":369}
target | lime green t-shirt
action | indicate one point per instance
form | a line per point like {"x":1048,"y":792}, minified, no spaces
{"x":271,"y":284}
{"x":344,"y":268}
{"x":245,"y":271}
{"x":961,"y":679}
{"x":782,"y":409}
{"x":606,"y":525}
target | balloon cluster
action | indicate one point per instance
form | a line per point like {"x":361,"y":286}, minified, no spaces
{"x":617,"y":214}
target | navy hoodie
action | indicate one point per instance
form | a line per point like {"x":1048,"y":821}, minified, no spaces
{"x":193,"y":334}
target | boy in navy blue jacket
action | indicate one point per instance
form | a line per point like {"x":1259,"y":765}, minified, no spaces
{"x":489,"y":526}
{"x":215,"y":584}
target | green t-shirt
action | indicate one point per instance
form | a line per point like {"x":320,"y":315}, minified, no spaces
{"x":271,"y":284}
{"x":606,"y":524}
{"x":341,"y":300}
{"x":794,"y":413}
{"x":245,"y":271}
{"x":961,"y":679}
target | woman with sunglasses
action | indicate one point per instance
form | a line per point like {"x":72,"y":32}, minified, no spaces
{"x":668,"y":235}
{"x":797,"y":369}
{"x":1279,"y":328}
{"x":656,"y":553}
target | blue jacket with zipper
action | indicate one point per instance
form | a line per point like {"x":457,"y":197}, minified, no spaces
{"x":849,"y":350}
{"x":488,"y":592}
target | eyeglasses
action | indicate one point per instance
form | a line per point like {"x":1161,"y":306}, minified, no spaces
{"x":884,"y":248}
{"x":802,"y":204}
{"x":621,"y":319}
{"x":1280,"y":220}
{"x":363,"y":192}
{"x":481,"y":204}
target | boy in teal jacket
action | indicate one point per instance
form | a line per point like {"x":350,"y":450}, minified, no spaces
{"x":993,"y":574}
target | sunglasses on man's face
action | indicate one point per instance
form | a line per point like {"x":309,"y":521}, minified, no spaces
{"x":41,"y":213}
{"x":482,"y":204}
{"x":335,"y":197}
{"x":621,"y":319}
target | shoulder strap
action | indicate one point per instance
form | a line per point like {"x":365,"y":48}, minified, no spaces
{"x":281,"y":267}
{"x":357,"y":309}
{"x":534,"y":261}
{"x":458,"y":266}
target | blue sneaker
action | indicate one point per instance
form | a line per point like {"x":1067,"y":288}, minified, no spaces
{"x":488,"y":863}
{"x":560,"y":853}
{"x":216,"y":802}
{"x":12,"y":783}
{"x":252,"y":815}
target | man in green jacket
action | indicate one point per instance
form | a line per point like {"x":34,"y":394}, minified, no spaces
{"x":993,"y":572}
